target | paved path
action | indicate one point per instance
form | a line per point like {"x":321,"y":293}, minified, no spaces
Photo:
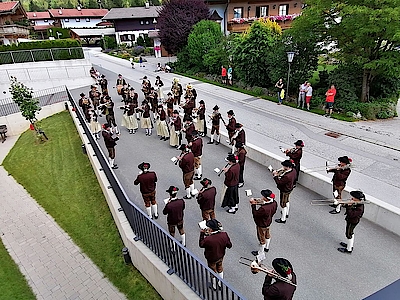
{"x":53,"y":265}
{"x":309,"y":239}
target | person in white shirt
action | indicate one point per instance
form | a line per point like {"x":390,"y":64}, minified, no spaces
{"x":302,"y":95}
{"x":308,"y":95}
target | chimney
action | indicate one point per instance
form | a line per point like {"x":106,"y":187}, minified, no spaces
{"x":60,"y":12}
{"x":147,"y":5}
{"x":79,"y":7}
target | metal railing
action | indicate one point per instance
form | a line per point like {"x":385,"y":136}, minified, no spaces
{"x":35,"y":55}
{"x":179,"y":259}
{"x":45,"y":97}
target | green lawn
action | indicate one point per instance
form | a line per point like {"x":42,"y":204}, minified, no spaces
{"x":61,"y":179}
{"x":12,"y":283}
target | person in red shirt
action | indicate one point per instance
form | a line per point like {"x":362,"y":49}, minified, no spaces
{"x":330,"y":99}
{"x":223,"y":74}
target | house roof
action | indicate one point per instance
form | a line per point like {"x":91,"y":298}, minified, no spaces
{"x":88,"y":32}
{"x":41,"y":27}
{"x":38,"y":15}
{"x":8,"y":6}
{"x":132,"y":13}
{"x":76,"y":13}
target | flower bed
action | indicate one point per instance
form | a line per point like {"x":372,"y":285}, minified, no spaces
{"x":271,"y":18}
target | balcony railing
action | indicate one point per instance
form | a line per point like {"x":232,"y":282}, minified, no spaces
{"x":14,"y":29}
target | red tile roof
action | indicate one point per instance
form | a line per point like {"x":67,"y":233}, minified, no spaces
{"x":41,"y":27}
{"x":75,"y":13}
{"x":7,"y":6}
{"x":38,"y":15}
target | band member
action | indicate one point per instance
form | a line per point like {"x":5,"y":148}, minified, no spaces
{"x":125,"y":93}
{"x":84,"y":103}
{"x":196,"y":145}
{"x":133,"y":96}
{"x":176,"y":127}
{"x":161,"y":124}
{"x":231,"y":127}
{"x":215,"y":121}
{"x":188,"y":128}
{"x":170,"y":104}
{"x":280,"y":289}
{"x":95,"y":126}
{"x":146,"y":121}
{"x":147,"y":181}
{"x":153,"y":100}
{"x":177,"y":91}
{"x":146,"y":86}
{"x":230,"y":190}
{"x":263,"y":211}
{"x":284,"y":179}
{"x":241,"y":154}
{"x":174,"y":212}
{"x":108,"y":111}
{"x":201,"y":124}
{"x":188,"y":106}
{"x":296,"y":154}
{"x":206,"y":199}
{"x":341,"y":173}
{"x":159,"y":84}
{"x":191,"y":94}
{"x":120,"y":83}
{"x":129,"y":118}
{"x":214,"y":241}
{"x":94,"y":96}
{"x":354,"y":213}
{"x":103,"y":84}
{"x":110,"y":143}
{"x":186,"y":163}
{"x":238,"y":137}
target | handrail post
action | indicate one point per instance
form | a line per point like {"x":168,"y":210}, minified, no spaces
{"x":33,"y":59}
{"x":51,"y":53}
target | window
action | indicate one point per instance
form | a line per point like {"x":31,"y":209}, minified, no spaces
{"x":45,"y":20}
{"x":262,"y":11}
{"x":66,"y":20}
{"x":87,"y":19}
{"x":284,"y":9}
{"x":238,"y":12}
{"x":141,"y":22}
{"x":78,"y":20}
{"x":147,"y":22}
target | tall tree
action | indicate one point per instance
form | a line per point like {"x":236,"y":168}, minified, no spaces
{"x":255,"y":53}
{"x":176,"y":20}
{"x":362,"y":32}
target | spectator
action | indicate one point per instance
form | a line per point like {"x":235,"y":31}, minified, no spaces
{"x":302,"y":95}
{"x":141,"y":61}
{"x":308,"y":95}
{"x":223,"y":74}
{"x":230,"y":70}
{"x":330,"y":99}
{"x":132,"y":62}
{"x":280,"y":91}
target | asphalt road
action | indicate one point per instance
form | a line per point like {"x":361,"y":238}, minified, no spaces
{"x":310,"y":237}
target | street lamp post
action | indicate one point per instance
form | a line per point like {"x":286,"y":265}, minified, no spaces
{"x":290,"y":56}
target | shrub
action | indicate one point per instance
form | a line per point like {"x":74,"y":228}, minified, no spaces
{"x":137,"y":50}
{"x":48,"y":44}
{"x":149,"y":51}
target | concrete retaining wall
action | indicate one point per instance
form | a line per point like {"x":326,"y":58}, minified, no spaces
{"x":16,"y":123}
{"x":378,"y":212}
{"x":48,"y":74}
{"x":170,"y":287}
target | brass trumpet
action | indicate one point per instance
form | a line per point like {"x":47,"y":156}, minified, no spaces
{"x":259,"y":201}
{"x":255,"y":268}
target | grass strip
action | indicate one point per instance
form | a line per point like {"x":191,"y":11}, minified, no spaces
{"x":60,"y":178}
{"x":13,"y":284}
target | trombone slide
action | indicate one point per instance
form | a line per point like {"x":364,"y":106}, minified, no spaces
{"x":255,"y":268}
{"x":337,"y":202}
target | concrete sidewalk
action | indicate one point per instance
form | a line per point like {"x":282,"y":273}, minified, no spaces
{"x":53,"y":265}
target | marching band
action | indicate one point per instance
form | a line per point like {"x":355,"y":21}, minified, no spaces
{"x":165,"y":114}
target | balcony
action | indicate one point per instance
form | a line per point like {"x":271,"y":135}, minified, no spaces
{"x":239,"y":25}
{"x":14,"y":30}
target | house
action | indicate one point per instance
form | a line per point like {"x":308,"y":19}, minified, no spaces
{"x":237,"y":15}
{"x":132,"y":22}
{"x":40,"y":22}
{"x":77,"y":17}
{"x":12,"y":16}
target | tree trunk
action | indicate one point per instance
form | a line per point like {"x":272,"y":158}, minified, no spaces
{"x":365,"y":86}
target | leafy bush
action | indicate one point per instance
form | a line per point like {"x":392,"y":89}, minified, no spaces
{"x":108,"y":42}
{"x":137,"y":50}
{"x":48,"y":44}
{"x":149,"y":51}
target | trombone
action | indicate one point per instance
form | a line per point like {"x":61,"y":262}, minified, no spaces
{"x":256,"y":267}
{"x":321,"y":202}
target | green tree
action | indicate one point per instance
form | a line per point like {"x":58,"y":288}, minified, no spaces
{"x":362,"y":32}
{"x":205,"y":39}
{"x":34,"y":7}
{"x":255,"y":52}
{"x":23,"y":97}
